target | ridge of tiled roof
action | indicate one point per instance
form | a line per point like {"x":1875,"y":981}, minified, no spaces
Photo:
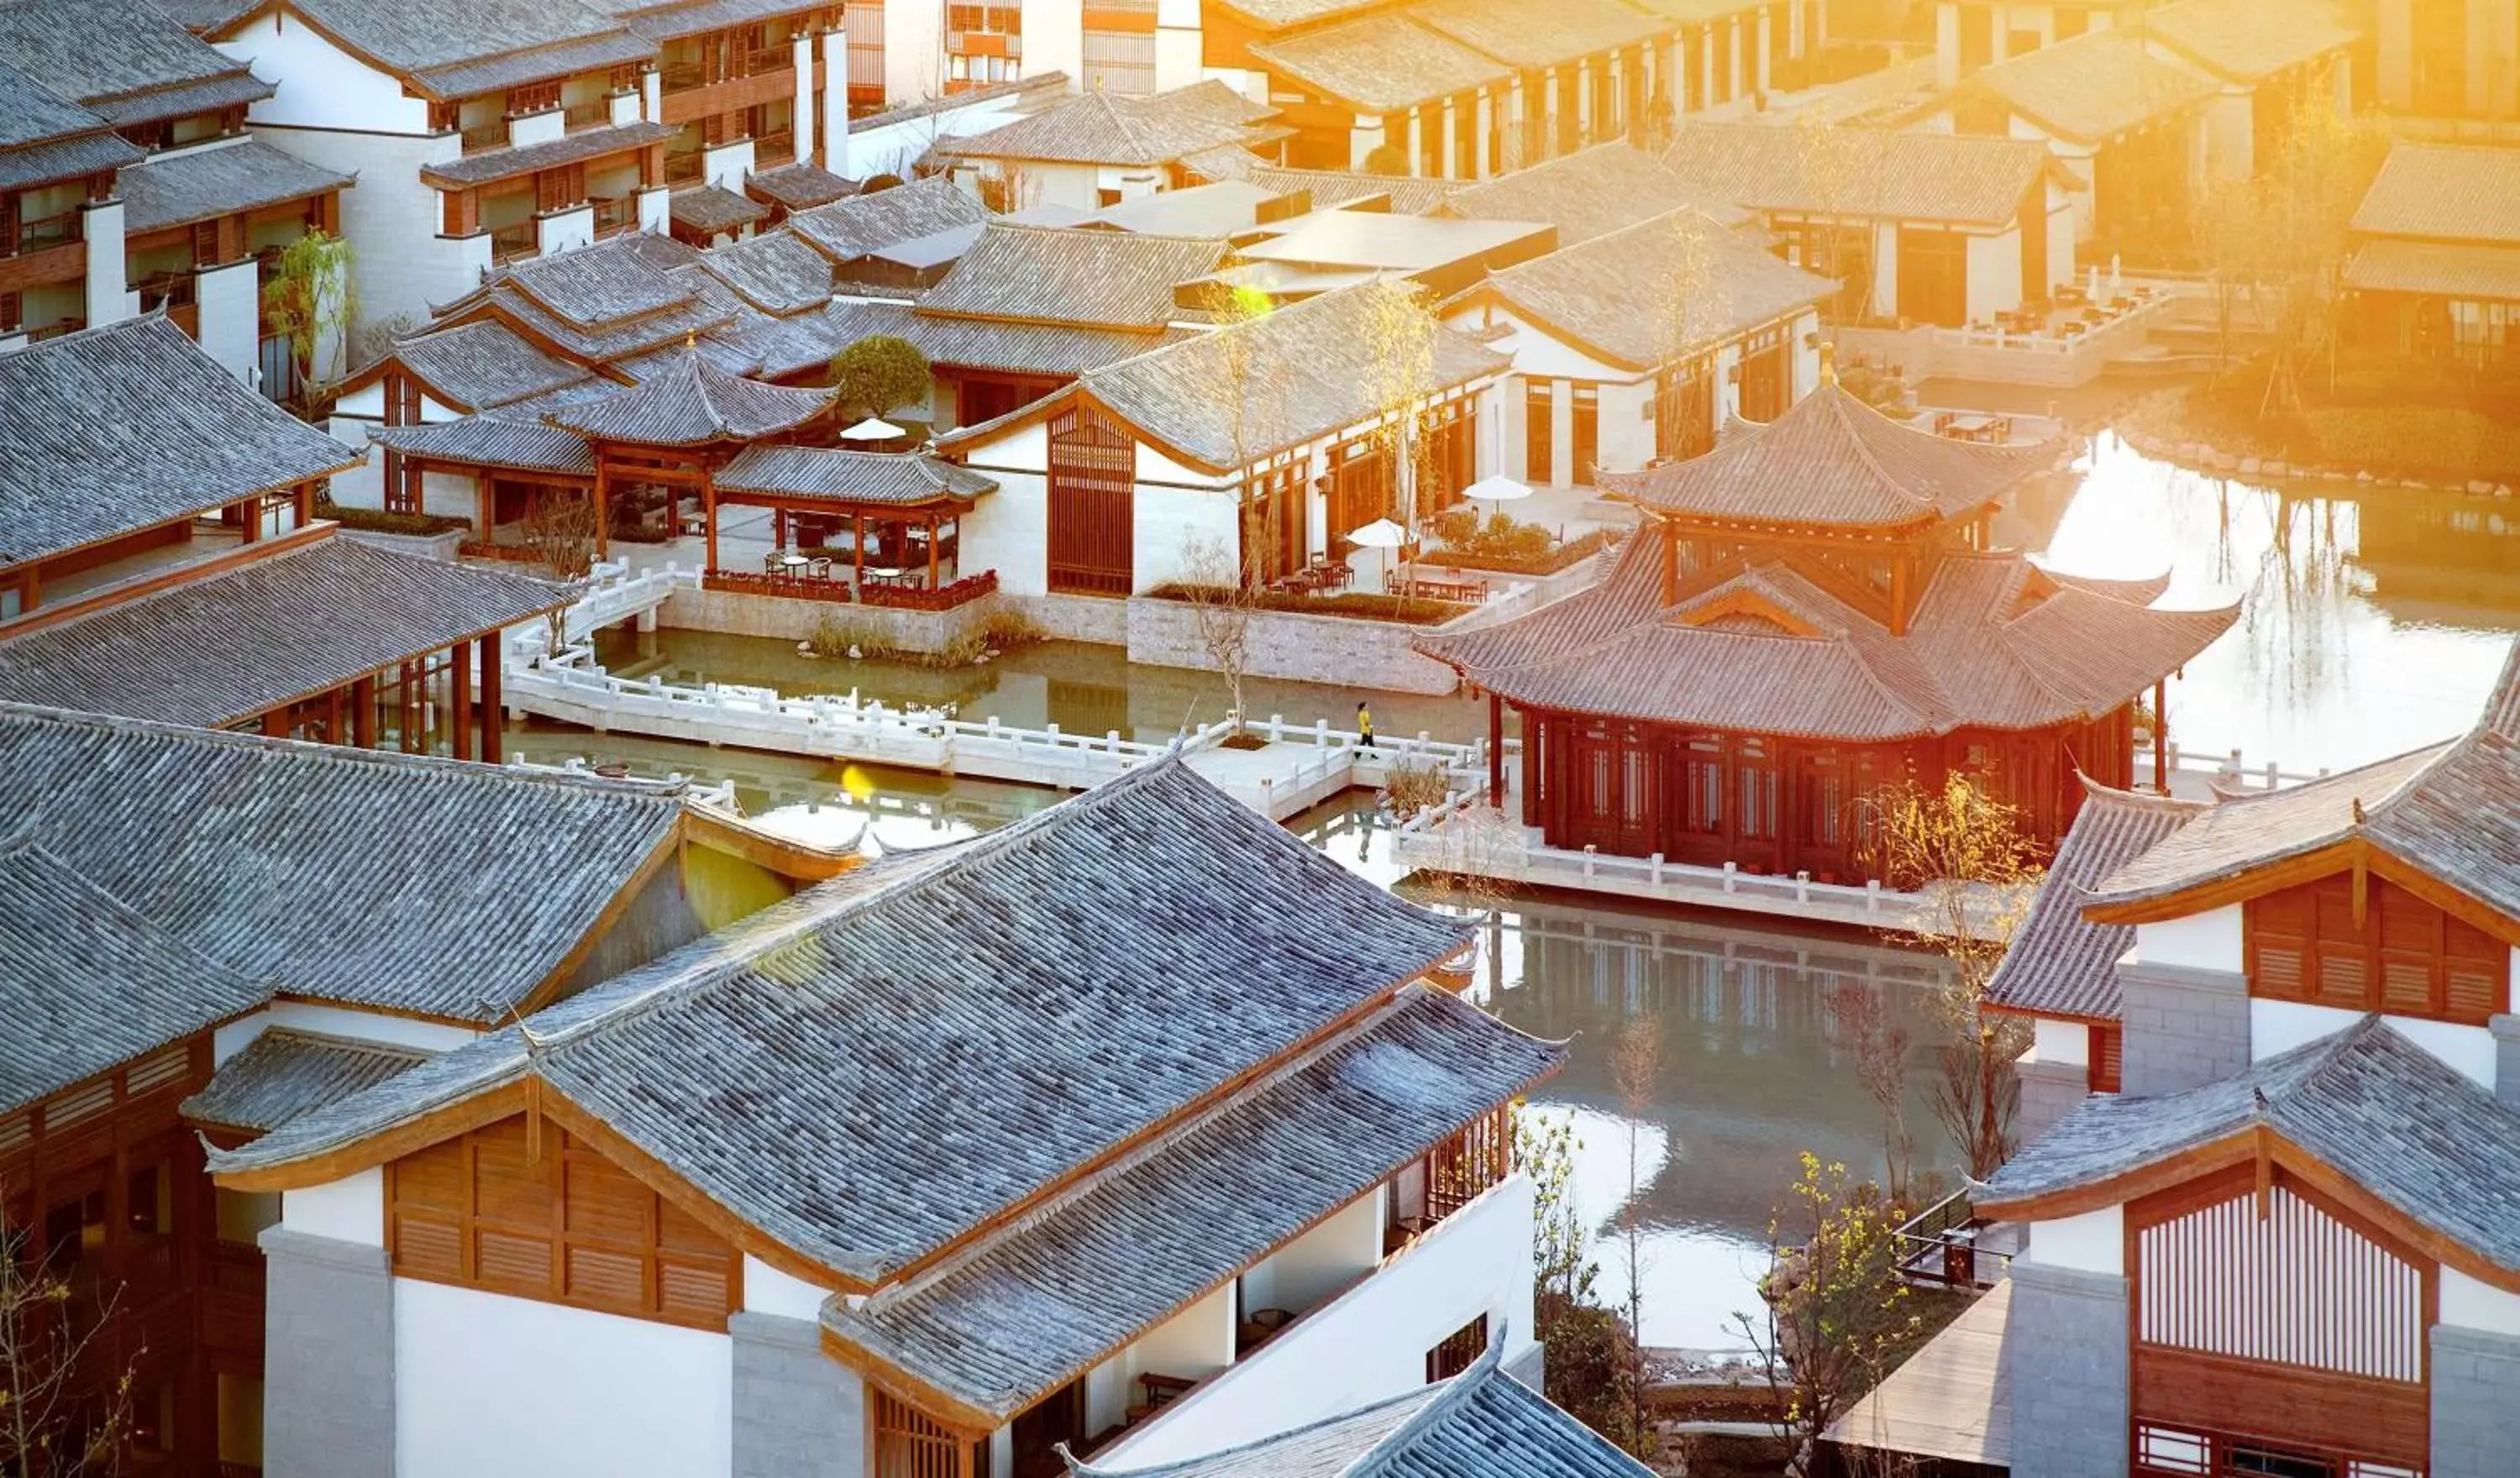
{"x":1481,"y":1421}
{"x":777,"y":271}
{"x":484,"y":364}
{"x":115,"y":56}
{"x":687,"y":402}
{"x":492,"y":439}
{"x":1383,"y":63}
{"x":293,"y":863}
{"x":800,"y":186}
{"x":1106,"y":279}
{"x":850,"y":1020}
{"x":1329,"y":187}
{"x":670,"y":21}
{"x":232,"y":643}
{"x":2451,"y":809}
{"x":2060,"y":964}
{"x":453,"y":48}
{"x":129,"y":424}
{"x":87,"y":983}
{"x":907,"y":479}
{"x":2249,"y":40}
{"x":1591,"y":192}
{"x":44,"y":137}
{"x":1845,"y":170}
{"x":516,"y":160}
{"x":1831,"y":459}
{"x":1618,"y":294}
{"x":1023,"y":1311}
{"x":713,"y":209}
{"x":2364,"y":1101}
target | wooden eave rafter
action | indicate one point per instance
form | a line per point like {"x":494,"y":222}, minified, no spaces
{"x":734,"y":835}
{"x":1684,"y":522}
{"x":2352,"y":853}
{"x":1754,"y":604}
{"x":667,"y":849}
{"x":2262,"y":1150}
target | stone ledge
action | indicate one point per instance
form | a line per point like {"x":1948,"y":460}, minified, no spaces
{"x":326,"y":1251}
{"x":2230,"y":984}
{"x":2073,"y":1282}
{"x":778,"y":1329}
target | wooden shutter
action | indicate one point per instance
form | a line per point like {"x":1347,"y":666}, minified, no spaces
{"x":2108,"y":1058}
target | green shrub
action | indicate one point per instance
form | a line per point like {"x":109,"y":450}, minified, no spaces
{"x":2428,"y":442}
{"x":1364,"y":603}
{"x":377,"y":520}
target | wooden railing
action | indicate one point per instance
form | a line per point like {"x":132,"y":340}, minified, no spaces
{"x":43,"y":233}
{"x":683,"y":168}
{"x":510,"y":243}
{"x":680,"y":78}
{"x":1464,"y":1167}
{"x":484,"y":136}
{"x":791,"y":586}
{"x":774,"y":149}
{"x":944,"y":598}
{"x":615,"y":214}
{"x":1939,"y":1245}
{"x":594,"y":114}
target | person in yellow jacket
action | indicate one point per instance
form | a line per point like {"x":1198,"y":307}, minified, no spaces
{"x":1365,"y":727}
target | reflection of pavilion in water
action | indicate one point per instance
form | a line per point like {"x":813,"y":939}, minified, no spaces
{"x":1758,"y":1063}
{"x":2440,"y":557}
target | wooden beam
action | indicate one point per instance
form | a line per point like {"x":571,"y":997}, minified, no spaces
{"x":493,"y":735}
{"x":409,"y":1136}
{"x":459,"y":699}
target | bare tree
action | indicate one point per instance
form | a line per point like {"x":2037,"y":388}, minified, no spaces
{"x":1974,"y":871}
{"x":1633,"y":1067}
{"x":1220,"y":607}
{"x":1402,"y":335}
{"x":1881,"y":1062}
{"x":1837,"y":1315}
{"x":559,"y":531}
{"x":56,"y":1421}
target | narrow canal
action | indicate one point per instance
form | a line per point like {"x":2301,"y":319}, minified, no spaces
{"x":2373,"y":621}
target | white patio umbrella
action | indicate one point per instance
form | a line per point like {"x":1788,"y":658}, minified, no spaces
{"x":1384,"y":535}
{"x":1497,"y":487}
{"x":877,"y":428}
{"x":2095,"y":284}
{"x":2117,"y":281}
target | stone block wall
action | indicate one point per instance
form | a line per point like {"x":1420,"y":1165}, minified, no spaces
{"x":329,"y":1358}
{"x":1101,"y":620}
{"x":2184,"y":1027}
{"x":2506,"y":1058}
{"x":2048,"y":1092}
{"x":2476,"y":1402}
{"x":1339,"y":650}
{"x":2067,"y":1346}
{"x":798,"y":1413}
{"x":787,"y":619}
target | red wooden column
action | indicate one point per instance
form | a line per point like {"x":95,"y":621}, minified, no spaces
{"x":491,"y":719}
{"x":932,"y":551}
{"x":1496,"y":751}
{"x":603,"y":512}
{"x":2161,"y":736}
{"x":306,"y":504}
{"x":362,"y":711}
{"x":275,"y":722}
{"x":709,"y":516}
{"x":484,"y":507}
{"x":459,"y":699}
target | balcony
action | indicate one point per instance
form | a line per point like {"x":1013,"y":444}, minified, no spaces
{"x":594,"y":114}
{"x":615,"y":214}
{"x":486,"y":136}
{"x":684,"y":168}
{"x":175,"y":292}
{"x":772,"y":150}
{"x":515,"y":243}
{"x":45,"y":233}
{"x":1947,"y":1245}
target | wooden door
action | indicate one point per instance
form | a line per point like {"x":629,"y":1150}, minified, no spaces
{"x":1093,"y":505}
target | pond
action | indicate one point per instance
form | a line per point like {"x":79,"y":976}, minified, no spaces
{"x":2373,"y":621}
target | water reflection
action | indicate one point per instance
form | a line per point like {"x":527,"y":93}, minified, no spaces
{"x":2373,"y":621}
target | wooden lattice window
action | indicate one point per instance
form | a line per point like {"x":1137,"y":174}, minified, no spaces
{"x":533,"y":97}
{"x":2395,"y":952}
{"x":2108,"y":1056}
{"x":564,"y":1225}
{"x":1458,"y":1351}
{"x":1462,"y":1168}
{"x":1093,"y":505}
{"x":911,"y":1444}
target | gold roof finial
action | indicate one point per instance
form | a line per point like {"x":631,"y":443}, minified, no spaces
{"x":1828,"y":362}
{"x":2358,"y":810}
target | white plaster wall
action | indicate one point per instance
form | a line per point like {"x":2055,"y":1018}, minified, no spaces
{"x":728,"y":164}
{"x":320,"y":85}
{"x":2231,"y":134}
{"x":2093,"y":1242}
{"x":1626,"y":426}
{"x":1054,"y":37}
{"x":1168,"y":519}
{"x":369,"y":1026}
{"x":538,"y":127}
{"x":2280,"y":1026}
{"x":110,"y":298}
{"x":2474,"y":1305}
{"x":2060,"y":236}
{"x":2060,"y":1043}
{"x":1179,"y":50}
{"x":1535,"y":352}
{"x":914,"y":51}
{"x":656,"y":211}
{"x":351,"y":1209}
{"x":1885,"y":271}
{"x":233,"y":1038}
{"x":231,"y":316}
{"x":487,"y":1386}
{"x":767,"y":1290}
{"x":399,"y":262}
{"x":833,"y":147}
{"x":566,"y":230}
{"x":2208,"y":941}
{"x":1368,"y":1345}
{"x":1345,"y":1246}
{"x":1993,"y":275}
{"x":1194,"y":1344}
{"x":1806,"y":338}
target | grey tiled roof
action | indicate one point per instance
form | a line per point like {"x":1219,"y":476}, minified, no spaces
{"x":1380,"y":64}
{"x":1482,"y":1424}
{"x":494,"y":441}
{"x":1277,"y":15}
{"x":885,"y":1061}
{"x":608,"y":283}
{"x":1590,"y":192}
{"x":456,"y":48}
{"x":1860,"y":172}
{"x":862,"y":223}
{"x":1024,"y":1311}
{"x":1989,"y":646}
{"x":799,"y":186}
{"x":1311,"y":369}
{"x":713,"y":209}
{"x":1026,"y":348}
{"x":1408,"y":195}
{"x":205,"y":183}
{"x":842,"y":475}
{"x":226,"y":646}
{"x":2436,"y":268}
{"x":2365,"y":1102}
{"x":283,"y":1073}
{"x":203,"y":15}
{"x":2444,"y":192}
{"x":1080,"y":279}
{"x":518,"y":160}
{"x":120,"y":427}
{"x":1618,"y":295}
{"x":2249,"y":40}
{"x":666,"y":22}
{"x":687,"y":402}
{"x":776,"y":272}
{"x":1508,"y":31}
{"x":2060,"y":964}
{"x":1106,"y":128}
{"x":475,"y":365}
{"x":630,"y":296}
{"x":1831,"y":459}
{"x":2092,"y":87}
{"x":126,"y":58}
{"x":30,"y":114}
{"x":46,"y":160}
{"x":87,"y":984}
{"x":294,"y":863}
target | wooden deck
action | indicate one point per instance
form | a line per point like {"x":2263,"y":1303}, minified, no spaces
{"x":1952,"y":1400}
